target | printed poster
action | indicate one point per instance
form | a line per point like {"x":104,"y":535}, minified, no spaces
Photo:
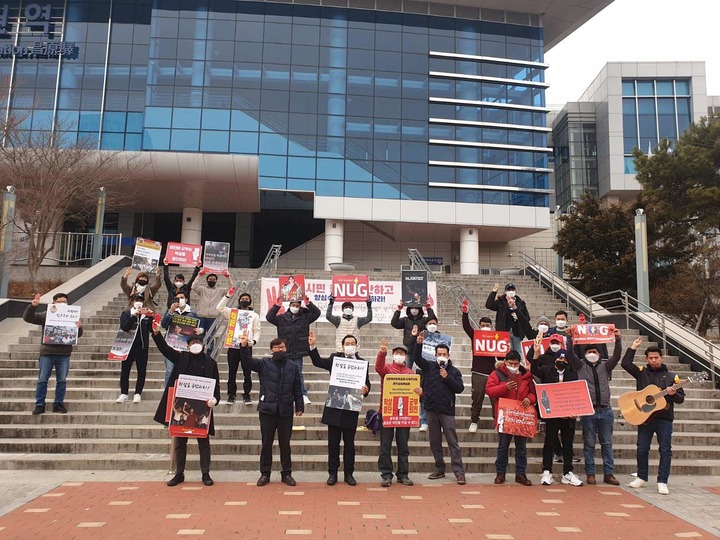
{"x":146,"y":255}
{"x":60,"y":325}
{"x":544,"y":346}
{"x":180,"y":330}
{"x":400,"y":403}
{"x":350,"y":288}
{"x":238,"y":324}
{"x":292,"y":288}
{"x":123,"y":343}
{"x":514,"y":419}
{"x":562,"y":399}
{"x":347,"y":378}
{"x":414,"y":287}
{"x":593,"y":333}
{"x":216,"y":256}
{"x":430,"y":341}
{"x":191,"y":413}
{"x":183,"y":254}
{"x":491,"y":343}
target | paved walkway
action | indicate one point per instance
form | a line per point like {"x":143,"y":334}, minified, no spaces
{"x":68,"y":504}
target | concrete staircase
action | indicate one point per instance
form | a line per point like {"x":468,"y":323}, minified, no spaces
{"x":99,"y":434}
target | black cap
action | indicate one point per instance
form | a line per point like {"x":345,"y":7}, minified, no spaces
{"x":510,"y":286}
{"x":139,"y":296}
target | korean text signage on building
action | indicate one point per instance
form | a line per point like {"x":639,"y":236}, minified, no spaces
{"x":33,"y":18}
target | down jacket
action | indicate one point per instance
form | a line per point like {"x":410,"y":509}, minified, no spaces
{"x":438,"y":393}
{"x":294,"y":329}
{"x":406,"y":323}
{"x":280,"y":391}
{"x":503,"y":320}
{"x":496,"y":388}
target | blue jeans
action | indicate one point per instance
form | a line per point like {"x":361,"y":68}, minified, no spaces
{"x":663,"y":428}
{"x":503,"y":450}
{"x":516,"y":344}
{"x":423,"y":414}
{"x":299,"y":364}
{"x":205,"y":324}
{"x":62,"y":366}
{"x":601,"y":425}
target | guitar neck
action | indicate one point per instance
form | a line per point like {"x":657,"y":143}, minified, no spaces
{"x":676,"y":386}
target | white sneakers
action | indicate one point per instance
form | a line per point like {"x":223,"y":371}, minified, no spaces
{"x":137,"y":398}
{"x":473,"y":428}
{"x":547,"y":478}
{"x":571,"y":479}
{"x":122,"y":399}
{"x":423,"y":427}
{"x":663,"y":489}
{"x":306,"y":400}
{"x":639,"y":483}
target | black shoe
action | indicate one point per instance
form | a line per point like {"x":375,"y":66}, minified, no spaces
{"x":207,"y":480}
{"x":386,"y":482}
{"x":175,"y":480}
{"x":39,"y":409}
{"x":405,"y":481}
{"x":247,"y":400}
{"x":289,"y":480}
{"x":263,"y":480}
{"x":576,"y":460}
{"x":59,"y":408}
{"x":436,"y":474}
{"x":332,"y":480}
{"x":349,"y":480}
{"x":557,"y":458}
{"x":231,"y":399}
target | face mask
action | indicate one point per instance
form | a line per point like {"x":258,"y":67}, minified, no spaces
{"x":513,"y":369}
{"x":432,"y":327}
{"x":244,"y":304}
{"x":399,"y":358}
{"x":294,"y":310}
{"x":212,"y":284}
{"x":592,"y":357}
{"x":142,"y":282}
{"x":348,"y":311}
{"x":487,"y":328}
{"x":510,"y":294}
{"x":414,"y":311}
{"x":555,"y":347}
{"x":279,"y":356}
{"x":442,"y":360}
{"x":141,"y":288}
{"x":560,"y":323}
{"x":179,"y":284}
{"x":181,"y":302}
{"x":350,"y":350}
{"x":543,"y":328}
{"x":196,"y":348}
{"x":138,"y":305}
{"x":560,"y":366}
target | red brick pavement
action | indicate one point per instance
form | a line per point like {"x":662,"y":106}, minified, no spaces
{"x":228,"y":510}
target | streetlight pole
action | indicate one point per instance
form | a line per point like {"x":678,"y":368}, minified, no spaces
{"x":559,"y":262}
{"x":641,"y":260}
{"x":99,"y":222}
{"x":6,"y":238}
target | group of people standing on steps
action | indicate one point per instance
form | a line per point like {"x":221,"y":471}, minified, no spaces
{"x":283,"y":394}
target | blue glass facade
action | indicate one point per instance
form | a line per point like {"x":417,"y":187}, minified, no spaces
{"x":340,"y":102}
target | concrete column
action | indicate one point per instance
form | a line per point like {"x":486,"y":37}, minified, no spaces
{"x":334,"y":236}
{"x":469,"y":254}
{"x":191,"y":225}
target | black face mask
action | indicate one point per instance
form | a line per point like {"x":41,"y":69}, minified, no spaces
{"x":142,"y":282}
{"x":560,"y":366}
{"x":211,"y":284}
{"x":279,"y":356}
{"x":244,"y":304}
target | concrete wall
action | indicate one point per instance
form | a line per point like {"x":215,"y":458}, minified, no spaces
{"x":62,"y":273}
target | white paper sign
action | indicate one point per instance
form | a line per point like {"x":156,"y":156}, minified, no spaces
{"x":191,"y":387}
{"x":60,"y":325}
{"x":347,"y":378}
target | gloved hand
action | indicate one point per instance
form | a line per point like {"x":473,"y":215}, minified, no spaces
{"x":331,"y":299}
{"x":307,"y":300}
{"x":465,"y":306}
{"x":428,"y":305}
{"x":400,"y":306}
{"x":231,"y":292}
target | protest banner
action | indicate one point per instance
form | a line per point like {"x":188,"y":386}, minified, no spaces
{"x":385,"y":296}
{"x":61,"y":325}
{"x":491,"y":343}
{"x":238,"y":324}
{"x":514,"y":419}
{"x":216,"y":256}
{"x":123,"y":343}
{"x":180,"y":330}
{"x":430,"y":341}
{"x":544,"y":345}
{"x":170,"y":402}
{"x":562,"y":399}
{"x":400,"y":403}
{"x":191,"y":413}
{"x":183,"y":254}
{"x":146,"y":255}
{"x":347,"y":378}
{"x":350,"y":288}
{"x":292,"y":288}
{"x":414,"y":287}
{"x":593,"y":333}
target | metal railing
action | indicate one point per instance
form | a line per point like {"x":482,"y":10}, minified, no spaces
{"x":216,"y":333}
{"x":72,"y":248}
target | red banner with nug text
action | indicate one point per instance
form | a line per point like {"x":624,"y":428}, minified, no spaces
{"x":593,"y":333}
{"x":491,"y":343}
{"x":350,"y":288}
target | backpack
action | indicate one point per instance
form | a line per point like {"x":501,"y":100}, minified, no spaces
{"x":372,"y":421}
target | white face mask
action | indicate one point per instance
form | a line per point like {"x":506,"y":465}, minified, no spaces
{"x":560,"y":323}
{"x":592,"y":357}
{"x":140,"y":288}
{"x":196,"y":348}
{"x":399,"y":358}
{"x":486,"y":328}
{"x":510,"y":294}
{"x":181,"y":302}
{"x":543,"y":328}
{"x":138,"y":305}
{"x":414,"y":311}
{"x":512,"y":370}
{"x":432,"y":327}
{"x":179,"y":284}
{"x":350,"y":350}
{"x":442,"y":360}
{"x":294,"y":310}
{"x":554,"y":347}
{"x":348,"y":311}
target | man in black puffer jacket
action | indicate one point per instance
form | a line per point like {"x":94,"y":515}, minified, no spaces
{"x":280,"y":397}
{"x":440,"y":383}
{"x":415,"y":317}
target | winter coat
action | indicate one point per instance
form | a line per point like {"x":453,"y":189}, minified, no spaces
{"x":280,"y":391}
{"x":148,"y":294}
{"x":31,"y":316}
{"x":207,"y":298}
{"x":382,"y":367}
{"x":438,"y":393}
{"x":660,"y":377}
{"x":597,"y":375}
{"x":347,"y":324}
{"x":406,"y":323}
{"x":504,"y":321}
{"x":129,"y":321}
{"x":181,"y":361}
{"x":173,"y":290}
{"x":496,"y":386}
{"x":480,"y":364}
{"x":545,"y":359}
{"x":341,"y":418}
{"x":294,"y":329}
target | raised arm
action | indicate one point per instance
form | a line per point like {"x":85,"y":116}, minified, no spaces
{"x":395,"y":322}
{"x":575,"y":362}
{"x":194,"y":276}
{"x":124,"y":285}
{"x":272,"y":315}
{"x":165,"y":349}
{"x":332,"y":319}
{"x":362,"y":321}
{"x":30,"y":315}
{"x":155,"y":287}
{"x":615,"y":358}
{"x":469,"y":330}
{"x":381,"y":358}
{"x":628,"y":358}
{"x":417,"y":354}
{"x":322,"y":363}
{"x":166,"y":278}
{"x":246,"y":359}
{"x":315,"y":312}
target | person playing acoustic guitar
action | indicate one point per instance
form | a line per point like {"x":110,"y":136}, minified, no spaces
{"x":654,"y":373}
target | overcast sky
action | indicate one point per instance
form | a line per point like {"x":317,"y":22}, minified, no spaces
{"x":636,"y":30}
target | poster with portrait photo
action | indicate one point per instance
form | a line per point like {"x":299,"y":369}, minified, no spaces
{"x":292,"y":288}
{"x":146,"y":255}
{"x":216,"y":256}
{"x":190,"y":415}
{"x":414,"y":287}
{"x":432,"y":340}
{"x":180,"y":330}
{"x":347,"y":377}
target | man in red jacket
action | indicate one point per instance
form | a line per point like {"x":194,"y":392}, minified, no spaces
{"x":512,"y":381}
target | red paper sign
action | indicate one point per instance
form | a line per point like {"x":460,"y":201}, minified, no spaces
{"x":292,"y":288}
{"x":183,"y":254}
{"x":170,"y":402}
{"x":593,"y":333}
{"x":350,"y":288}
{"x":491,"y":343}
{"x":514,"y":419}
{"x":544,"y":345}
{"x":559,"y":400}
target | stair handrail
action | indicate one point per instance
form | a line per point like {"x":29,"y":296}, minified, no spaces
{"x":417,"y":261}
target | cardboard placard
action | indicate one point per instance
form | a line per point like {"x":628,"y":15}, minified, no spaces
{"x":347,"y":378}
{"x":183,"y":254}
{"x":146,"y":255}
{"x":544,"y":345}
{"x":292,"y":288}
{"x":563,"y":399}
{"x":61,"y":325}
{"x":191,"y":413}
{"x":180,"y":330}
{"x":350,"y":288}
{"x":122,"y":344}
{"x":593,"y":333}
{"x":432,"y":340}
{"x":414,"y":287}
{"x":238,"y":324}
{"x":514,"y":419}
{"x":491,"y":343}
{"x":400,"y":403}
{"x":216,"y":256}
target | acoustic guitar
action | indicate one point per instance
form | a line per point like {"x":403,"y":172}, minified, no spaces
{"x":639,"y":407}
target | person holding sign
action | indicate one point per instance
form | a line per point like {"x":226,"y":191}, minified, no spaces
{"x":656,"y":373}
{"x":141,"y":286}
{"x":440,"y":383}
{"x":51,"y":356}
{"x":511,"y":380}
{"x":199,"y":364}
{"x":208,"y":295}
{"x":140,"y":317}
{"x":178,"y":307}
{"x":512,"y":313}
{"x":414,"y":320}
{"x":348,"y":323}
{"x":178,"y":285}
{"x":341,"y":422}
